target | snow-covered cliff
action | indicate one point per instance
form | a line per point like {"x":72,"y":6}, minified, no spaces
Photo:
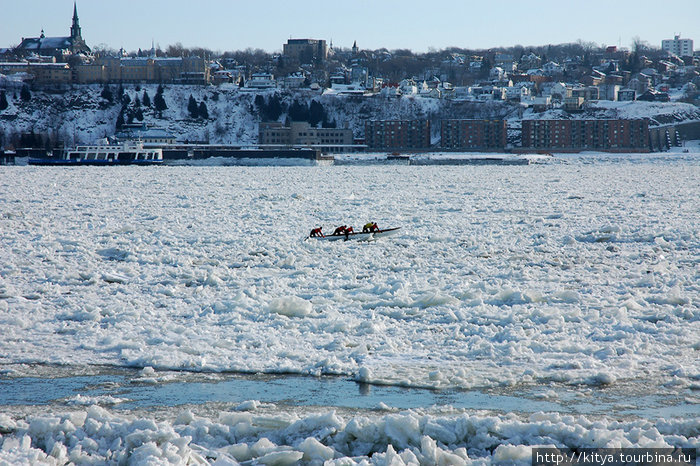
{"x":79,"y":114}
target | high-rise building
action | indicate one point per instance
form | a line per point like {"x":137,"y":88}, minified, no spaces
{"x":678,"y":46}
{"x":473,"y":134}
{"x":577,"y":135}
{"x":397,"y":134}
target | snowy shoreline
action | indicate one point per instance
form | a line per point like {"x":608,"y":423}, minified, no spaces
{"x":254,"y":435}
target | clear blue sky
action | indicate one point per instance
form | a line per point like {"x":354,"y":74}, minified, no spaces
{"x":417,"y":25}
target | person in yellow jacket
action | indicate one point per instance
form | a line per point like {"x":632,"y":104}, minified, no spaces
{"x":370,"y":227}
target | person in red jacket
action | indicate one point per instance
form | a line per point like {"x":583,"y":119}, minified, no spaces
{"x":317,"y":232}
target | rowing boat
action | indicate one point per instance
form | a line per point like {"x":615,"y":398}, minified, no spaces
{"x":358,"y":236}
{"x":384,"y":233}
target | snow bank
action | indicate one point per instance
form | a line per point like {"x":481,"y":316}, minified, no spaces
{"x":97,"y":435}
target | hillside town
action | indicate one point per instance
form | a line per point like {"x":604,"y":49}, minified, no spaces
{"x":564,"y":98}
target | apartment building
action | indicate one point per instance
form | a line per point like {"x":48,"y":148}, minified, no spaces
{"x":397,"y":134}
{"x":678,"y":46}
{"x":488,"y":135}
{"x":577,"y":135}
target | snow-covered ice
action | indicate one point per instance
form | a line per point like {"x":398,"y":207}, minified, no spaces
{"x":96,"y":435}
{"x":581,"y":271}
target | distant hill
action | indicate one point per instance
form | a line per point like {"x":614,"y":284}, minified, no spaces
{"x":80,"y":114}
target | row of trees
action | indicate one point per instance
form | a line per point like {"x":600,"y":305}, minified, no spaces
{"x":25,"y":95}
{"x":197,"y":110}
{"x":272,"y":108}
{"x":131,"y":111}
{"x":123,"y":99}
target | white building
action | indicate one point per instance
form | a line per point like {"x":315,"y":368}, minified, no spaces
{"x":517,"y":93}
{"x":408,"y":87}
{"x":678,"y":46}
{"x":261,"y":81}
{"x":497,"y":73}
{"x":558,"y":91}
{"x":552,"y":68}
{"x":293,"y":81}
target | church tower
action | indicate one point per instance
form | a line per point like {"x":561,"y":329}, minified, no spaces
{"x":75,"y":28}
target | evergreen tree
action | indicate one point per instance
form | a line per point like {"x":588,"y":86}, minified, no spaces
{"x":137,"y":102}
{"x":260,"y":104}
{"x":317,"y":113}
{"x":24,"y":94}
{"x":241,"y":83}
{"x":146,"y":100}
{"x":274,"y":107}
{"x":24,"y":140}
{"x":159,"y":101}
{"x":298,"y":111}
{"x":203,"y":111}
{"x":3,"y":101}
{"x":120,"y":120}
{"x":192,"y":107}
{"x":107,"y":94}
{"x":139,"y":115}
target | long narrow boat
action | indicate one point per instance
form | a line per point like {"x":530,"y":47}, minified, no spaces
{"x":358,"y":236}
{"x":384,"y":233}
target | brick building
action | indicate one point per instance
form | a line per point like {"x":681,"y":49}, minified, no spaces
{"x":397,"y":134}
{"x":577,"y":135}
{"x":473,"y":134}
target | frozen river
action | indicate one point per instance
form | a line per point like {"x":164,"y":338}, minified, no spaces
{"x":544,"y":281}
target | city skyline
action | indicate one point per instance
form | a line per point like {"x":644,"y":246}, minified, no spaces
{"x":221,"y":26}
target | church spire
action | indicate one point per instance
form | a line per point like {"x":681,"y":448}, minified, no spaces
{"x":75,"y":28}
